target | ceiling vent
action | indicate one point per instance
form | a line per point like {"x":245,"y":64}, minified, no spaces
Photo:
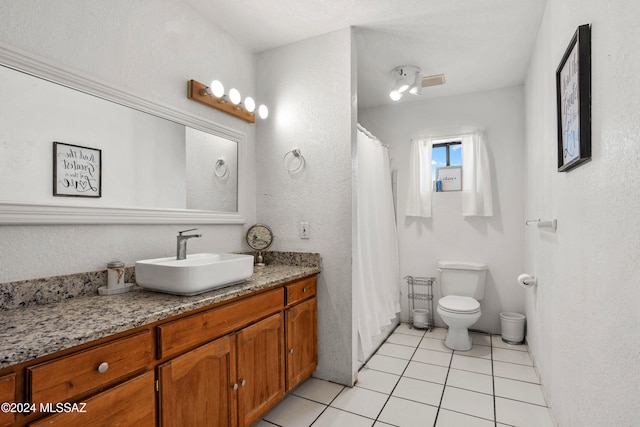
{"x":435,"y":80}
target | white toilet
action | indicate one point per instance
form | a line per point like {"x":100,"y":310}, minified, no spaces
{"x":462,"y":286}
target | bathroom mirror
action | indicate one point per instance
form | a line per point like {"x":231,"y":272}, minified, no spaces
{"x":259,"y":237}
{"x":159,"y":165}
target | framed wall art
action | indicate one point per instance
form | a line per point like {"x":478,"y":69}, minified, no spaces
{"x":573,"y":93}
{"x":77,"y":171}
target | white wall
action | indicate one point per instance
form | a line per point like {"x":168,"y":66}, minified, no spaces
{"x":151,"y":48}
{"x":583,"y":316}
{"x":448,"y":236}
{"x":308,"y":87}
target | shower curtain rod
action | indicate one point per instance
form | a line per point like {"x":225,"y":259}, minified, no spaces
{"x":370,"y":135}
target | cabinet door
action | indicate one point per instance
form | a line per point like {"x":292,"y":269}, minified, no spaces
{"x":132,"y":403}
{"x":197,"y":388}
{"x":260,"y":368}
{"x":7,"y":394}
{"x":302,"y":342}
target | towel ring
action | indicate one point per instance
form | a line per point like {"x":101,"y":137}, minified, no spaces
{"x":221,"y":168}
{"x":296,"y":154}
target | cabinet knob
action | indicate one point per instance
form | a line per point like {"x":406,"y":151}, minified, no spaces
{"x":235,"y":386}
{"x":244,"y":382}
{"x":104,"y":366}
{"x":304,"y":290}
{"x":291,"y":351}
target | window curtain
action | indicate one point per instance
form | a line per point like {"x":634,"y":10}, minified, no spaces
{"x":420,"y":184}
{"x":376,"y":267}
{"x":477,"y":195}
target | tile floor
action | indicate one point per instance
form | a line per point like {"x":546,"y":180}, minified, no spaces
{"x":415,"y":380}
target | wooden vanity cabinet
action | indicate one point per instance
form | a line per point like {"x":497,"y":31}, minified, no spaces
{"x":132,"y":403}
{"x":199,"y":387}
{"x":261,"y":365}
{"x":7,"y":394}
{"x":222,"y":366}
{"x":57,"y":386}
{"x":301,"y":331}
{"x":302,"y":339}
{"x":64,"y":378}
{"x":230,"y":381}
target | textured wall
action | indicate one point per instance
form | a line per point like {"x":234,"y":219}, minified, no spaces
{"x":309,"y":90}
{"x":448,"y":236}
{"x":583,"y":316}
{"x":151,"y":48}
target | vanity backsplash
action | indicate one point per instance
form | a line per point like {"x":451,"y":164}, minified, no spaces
{"x":47,"y":290}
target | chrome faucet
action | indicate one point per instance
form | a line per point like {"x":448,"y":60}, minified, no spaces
{"x":182,"y":243}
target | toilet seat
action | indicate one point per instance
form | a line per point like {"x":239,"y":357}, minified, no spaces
{"x":458,"y":304}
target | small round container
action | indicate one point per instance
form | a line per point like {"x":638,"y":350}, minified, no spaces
{"x":115,"y":274}
{"x":420,"y":318}
{"x":512,"y":325}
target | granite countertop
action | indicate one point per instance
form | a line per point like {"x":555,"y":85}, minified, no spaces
{"x":38,"y":330}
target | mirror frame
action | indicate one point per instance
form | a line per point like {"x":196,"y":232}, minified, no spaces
{"x":21,"y":213}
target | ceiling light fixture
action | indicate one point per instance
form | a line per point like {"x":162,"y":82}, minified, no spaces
{"x":214,"y":96}
{"x":416,"y":87}
{"x":400,"y":75}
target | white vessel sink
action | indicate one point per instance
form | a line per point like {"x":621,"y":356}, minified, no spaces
{"x":196,"y":274}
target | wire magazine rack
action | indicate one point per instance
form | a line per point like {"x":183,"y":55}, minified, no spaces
{"x":420,"y":302}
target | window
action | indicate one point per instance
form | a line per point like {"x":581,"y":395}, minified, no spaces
{"x":445,"y":154}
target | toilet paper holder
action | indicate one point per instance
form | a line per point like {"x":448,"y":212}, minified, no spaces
{"x":526,"y":280}
{"x":551,"y":225}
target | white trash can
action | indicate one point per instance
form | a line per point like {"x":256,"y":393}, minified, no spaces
{"x":512,"y":325}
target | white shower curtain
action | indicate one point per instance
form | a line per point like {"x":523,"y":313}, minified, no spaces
{"x":376,"y":271}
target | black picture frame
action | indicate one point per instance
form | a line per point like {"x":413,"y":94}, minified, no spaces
{"x":573,"y":95}
{"x":77,"y":171}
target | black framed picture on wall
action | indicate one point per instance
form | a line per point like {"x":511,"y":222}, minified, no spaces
{"x":573,"y":92}
{"x":77,"y":171}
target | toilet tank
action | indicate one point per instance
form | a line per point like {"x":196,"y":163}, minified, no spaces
{"x":464,"y":279}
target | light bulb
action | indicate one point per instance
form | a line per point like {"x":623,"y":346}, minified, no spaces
{"x":217,"y":88}
{"x":263,"y":111}
{"x":416,"y":87}
{"x":395,"y":95}
{"x":249,"y":104}
{"x":234,"y":96}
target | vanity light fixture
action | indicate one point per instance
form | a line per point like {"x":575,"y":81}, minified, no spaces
{"x":263,"y":111}
{"x":234,"y":96}
{"x":214,"y":96}
{"x":249,"y":104}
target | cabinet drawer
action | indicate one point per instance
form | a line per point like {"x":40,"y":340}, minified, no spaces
{"x":61,"y":379}
{"x":131,"y":403}
{"x":189,"y":332}
{"x":301,"y":290}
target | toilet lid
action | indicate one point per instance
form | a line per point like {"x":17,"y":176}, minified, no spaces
{"x":459,"y":304}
